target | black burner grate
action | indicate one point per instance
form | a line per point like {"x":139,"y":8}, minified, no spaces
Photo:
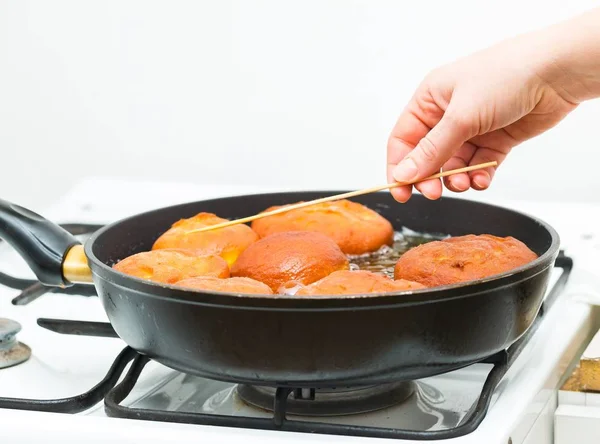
{"x":32,"y":289}
{"x":279,"y":422}
{"x":113,"y":393}
{"x":79,"y":403}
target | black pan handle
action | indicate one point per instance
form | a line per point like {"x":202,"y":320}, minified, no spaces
{"x":40,"y":242}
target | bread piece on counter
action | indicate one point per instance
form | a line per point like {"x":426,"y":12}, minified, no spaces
{"x":586,"y":376}
{"x":589,"y":366}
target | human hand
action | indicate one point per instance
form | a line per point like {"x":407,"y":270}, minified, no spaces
{"x":472,"y":111}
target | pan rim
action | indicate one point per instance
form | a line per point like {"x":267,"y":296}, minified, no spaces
{"x":381,"y":296}
{"x":421,"y":296}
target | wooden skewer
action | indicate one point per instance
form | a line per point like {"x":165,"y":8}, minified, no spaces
{"x":340,"y":197}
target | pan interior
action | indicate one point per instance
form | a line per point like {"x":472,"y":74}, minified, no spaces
{"x":447,"y":216}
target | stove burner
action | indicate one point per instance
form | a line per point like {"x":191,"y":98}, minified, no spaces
{"x":330,"y":402}
{"x":12,"y":352}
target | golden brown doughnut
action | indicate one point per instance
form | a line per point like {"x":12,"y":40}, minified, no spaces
{"x":170,"y":266}
{"x":355,"y":228}
{"x":226,"y":242}
{"x":295,"y":255}
{"x":355,"y":283}
{"x":462,"y":259}
{"x":241,"y":285}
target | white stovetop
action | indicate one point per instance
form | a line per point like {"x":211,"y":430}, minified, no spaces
{"x":74,"y":364}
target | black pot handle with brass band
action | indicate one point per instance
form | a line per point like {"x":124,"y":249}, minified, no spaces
{"x":53,"y":254}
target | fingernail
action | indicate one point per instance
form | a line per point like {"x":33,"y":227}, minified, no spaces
{"x":406,"y":171}
{"x":481,"y":180}
{"x":451,"y":185}
{"x":459,"y":183}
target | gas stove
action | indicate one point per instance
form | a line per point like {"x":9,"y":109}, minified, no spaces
{"x":76,"y":381}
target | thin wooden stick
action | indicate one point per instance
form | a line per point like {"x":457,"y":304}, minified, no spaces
{"x":340,"y":197}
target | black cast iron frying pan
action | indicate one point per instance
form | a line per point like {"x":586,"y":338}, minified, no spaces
{"x":293,"y":341}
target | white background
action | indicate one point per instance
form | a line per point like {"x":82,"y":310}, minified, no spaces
{"x":279,"y":93}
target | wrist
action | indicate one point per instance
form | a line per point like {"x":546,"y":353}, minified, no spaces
{"x":570,"y":61}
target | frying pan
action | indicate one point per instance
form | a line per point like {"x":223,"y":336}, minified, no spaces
{"x":300,"y":341}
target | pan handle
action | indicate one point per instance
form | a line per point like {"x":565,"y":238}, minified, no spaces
{"x":43,"y":244}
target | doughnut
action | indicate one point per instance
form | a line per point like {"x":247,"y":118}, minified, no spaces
{"x":462,"y":259}
{"x":240,"y":285}
{"x":355,"y":228}
{"x":228,"y":242}
{"x":354,"y":283}
{"x":170,"y":266}
{"x":302,"y":256}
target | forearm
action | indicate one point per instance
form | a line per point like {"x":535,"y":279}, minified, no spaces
{"x":572,"y":65}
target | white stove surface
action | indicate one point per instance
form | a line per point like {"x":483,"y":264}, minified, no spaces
{"x":63,"y":365}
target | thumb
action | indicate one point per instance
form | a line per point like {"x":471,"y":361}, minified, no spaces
{"x":435,"y":148}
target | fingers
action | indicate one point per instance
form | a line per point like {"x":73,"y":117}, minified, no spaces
{"x":401,"y":194}
{"x":491,"y":146}
{"x":396,"y":150}
{"x":405,"y":135}
{"x":481,"y":179}
{"x":431,"y":152}
{"x":460,"y":159}
{"x":431,"y":189}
